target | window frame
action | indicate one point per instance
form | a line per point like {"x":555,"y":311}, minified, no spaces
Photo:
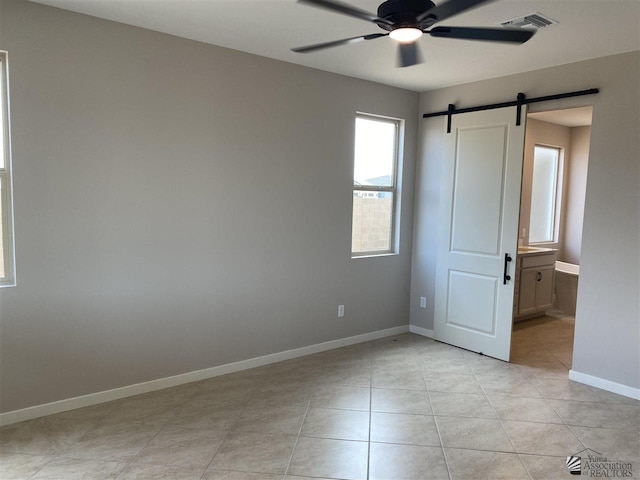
{"x":393,"y":189}
{"x":6,"y":180}
{"x":557,"y":206}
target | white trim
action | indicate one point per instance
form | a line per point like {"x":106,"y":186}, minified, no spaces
{"x":158,"y":384}
{"x":603,"y":384}
{"x":425,"y":332}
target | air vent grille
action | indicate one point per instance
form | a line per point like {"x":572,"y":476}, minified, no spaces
{"x":535,"y":19}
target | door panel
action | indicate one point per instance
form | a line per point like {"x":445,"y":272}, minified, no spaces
{"x":471,"y":301}
{"x":477,"y":205}
{"x":478,"y":225}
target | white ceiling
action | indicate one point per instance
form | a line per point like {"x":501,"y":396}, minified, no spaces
{"x":587,"y":29}
{"x":571,"y":117}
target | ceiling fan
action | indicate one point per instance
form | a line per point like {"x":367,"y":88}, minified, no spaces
{"x":407,"y":20}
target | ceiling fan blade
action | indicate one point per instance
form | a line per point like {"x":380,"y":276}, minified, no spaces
{"x":446,"y":10}
{"x":345,"y":9}
{"x":409,"y":54}
{"x":485,"y":34}
{"x":335,"y":43}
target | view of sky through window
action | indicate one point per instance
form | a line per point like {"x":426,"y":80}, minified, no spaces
{"x":375,"y":147}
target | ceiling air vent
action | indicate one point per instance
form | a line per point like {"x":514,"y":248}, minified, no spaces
{"x":534,"y":19}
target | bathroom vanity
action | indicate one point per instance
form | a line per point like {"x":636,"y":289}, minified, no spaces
{"x":533,"y":293}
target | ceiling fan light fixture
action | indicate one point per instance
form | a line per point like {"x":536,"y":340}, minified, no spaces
{"x":406,"y":34}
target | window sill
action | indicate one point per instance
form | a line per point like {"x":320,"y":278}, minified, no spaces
{"x":375,"y":255}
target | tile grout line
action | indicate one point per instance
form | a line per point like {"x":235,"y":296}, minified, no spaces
{"x":304,"y":418}
{"x":226,"y":433}
{"x":515,"y":450}
{"x":444,"y":453}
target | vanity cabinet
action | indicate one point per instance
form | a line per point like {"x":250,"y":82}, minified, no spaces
{"x":534,"y":283}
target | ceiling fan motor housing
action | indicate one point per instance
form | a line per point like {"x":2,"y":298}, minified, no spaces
{"x":402,"y":13}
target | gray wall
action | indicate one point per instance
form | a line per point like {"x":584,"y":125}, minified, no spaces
{"x":180,"y":206}
{"x":576,"y":186}
{"x":607,"y":339}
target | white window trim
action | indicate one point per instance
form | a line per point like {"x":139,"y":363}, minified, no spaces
{"x":394,"y":190}
{"x":559,"y":197}
{"x":8,"y":239}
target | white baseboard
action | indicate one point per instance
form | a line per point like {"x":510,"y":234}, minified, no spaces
{"x":153,"y":385}
{"x":603,"y":384}
{"x":425,"y":332}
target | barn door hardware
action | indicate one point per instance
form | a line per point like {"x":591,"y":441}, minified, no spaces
{"x":520,"y":100}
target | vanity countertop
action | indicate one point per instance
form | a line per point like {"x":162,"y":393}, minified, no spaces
{"x":530,"y":251}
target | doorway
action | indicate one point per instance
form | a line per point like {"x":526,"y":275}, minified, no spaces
{"x":550,"y":237}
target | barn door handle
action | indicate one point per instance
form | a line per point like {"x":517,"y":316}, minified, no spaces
{"x":507,"y":259}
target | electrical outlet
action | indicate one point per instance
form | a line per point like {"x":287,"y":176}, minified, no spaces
{"x":423,"y":302}
{"x":340,"y":310}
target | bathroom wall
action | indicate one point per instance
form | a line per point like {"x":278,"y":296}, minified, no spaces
{"x":548,"y":134}
{"x":575,"y":189}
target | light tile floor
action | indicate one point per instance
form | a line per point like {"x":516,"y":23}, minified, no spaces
{"x":403,"y":407}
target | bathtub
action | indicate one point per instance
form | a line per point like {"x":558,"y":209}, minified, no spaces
{"x":566,"y":287}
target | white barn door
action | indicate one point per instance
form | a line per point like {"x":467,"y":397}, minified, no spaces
{"x":478,"y":229}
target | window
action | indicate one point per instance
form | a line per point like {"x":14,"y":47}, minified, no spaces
{"x":375,"y":169}
{"x":544,"y":195}
{"x":7,"y":269}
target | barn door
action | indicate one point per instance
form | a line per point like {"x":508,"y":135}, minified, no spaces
{"x":478,"y":229}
